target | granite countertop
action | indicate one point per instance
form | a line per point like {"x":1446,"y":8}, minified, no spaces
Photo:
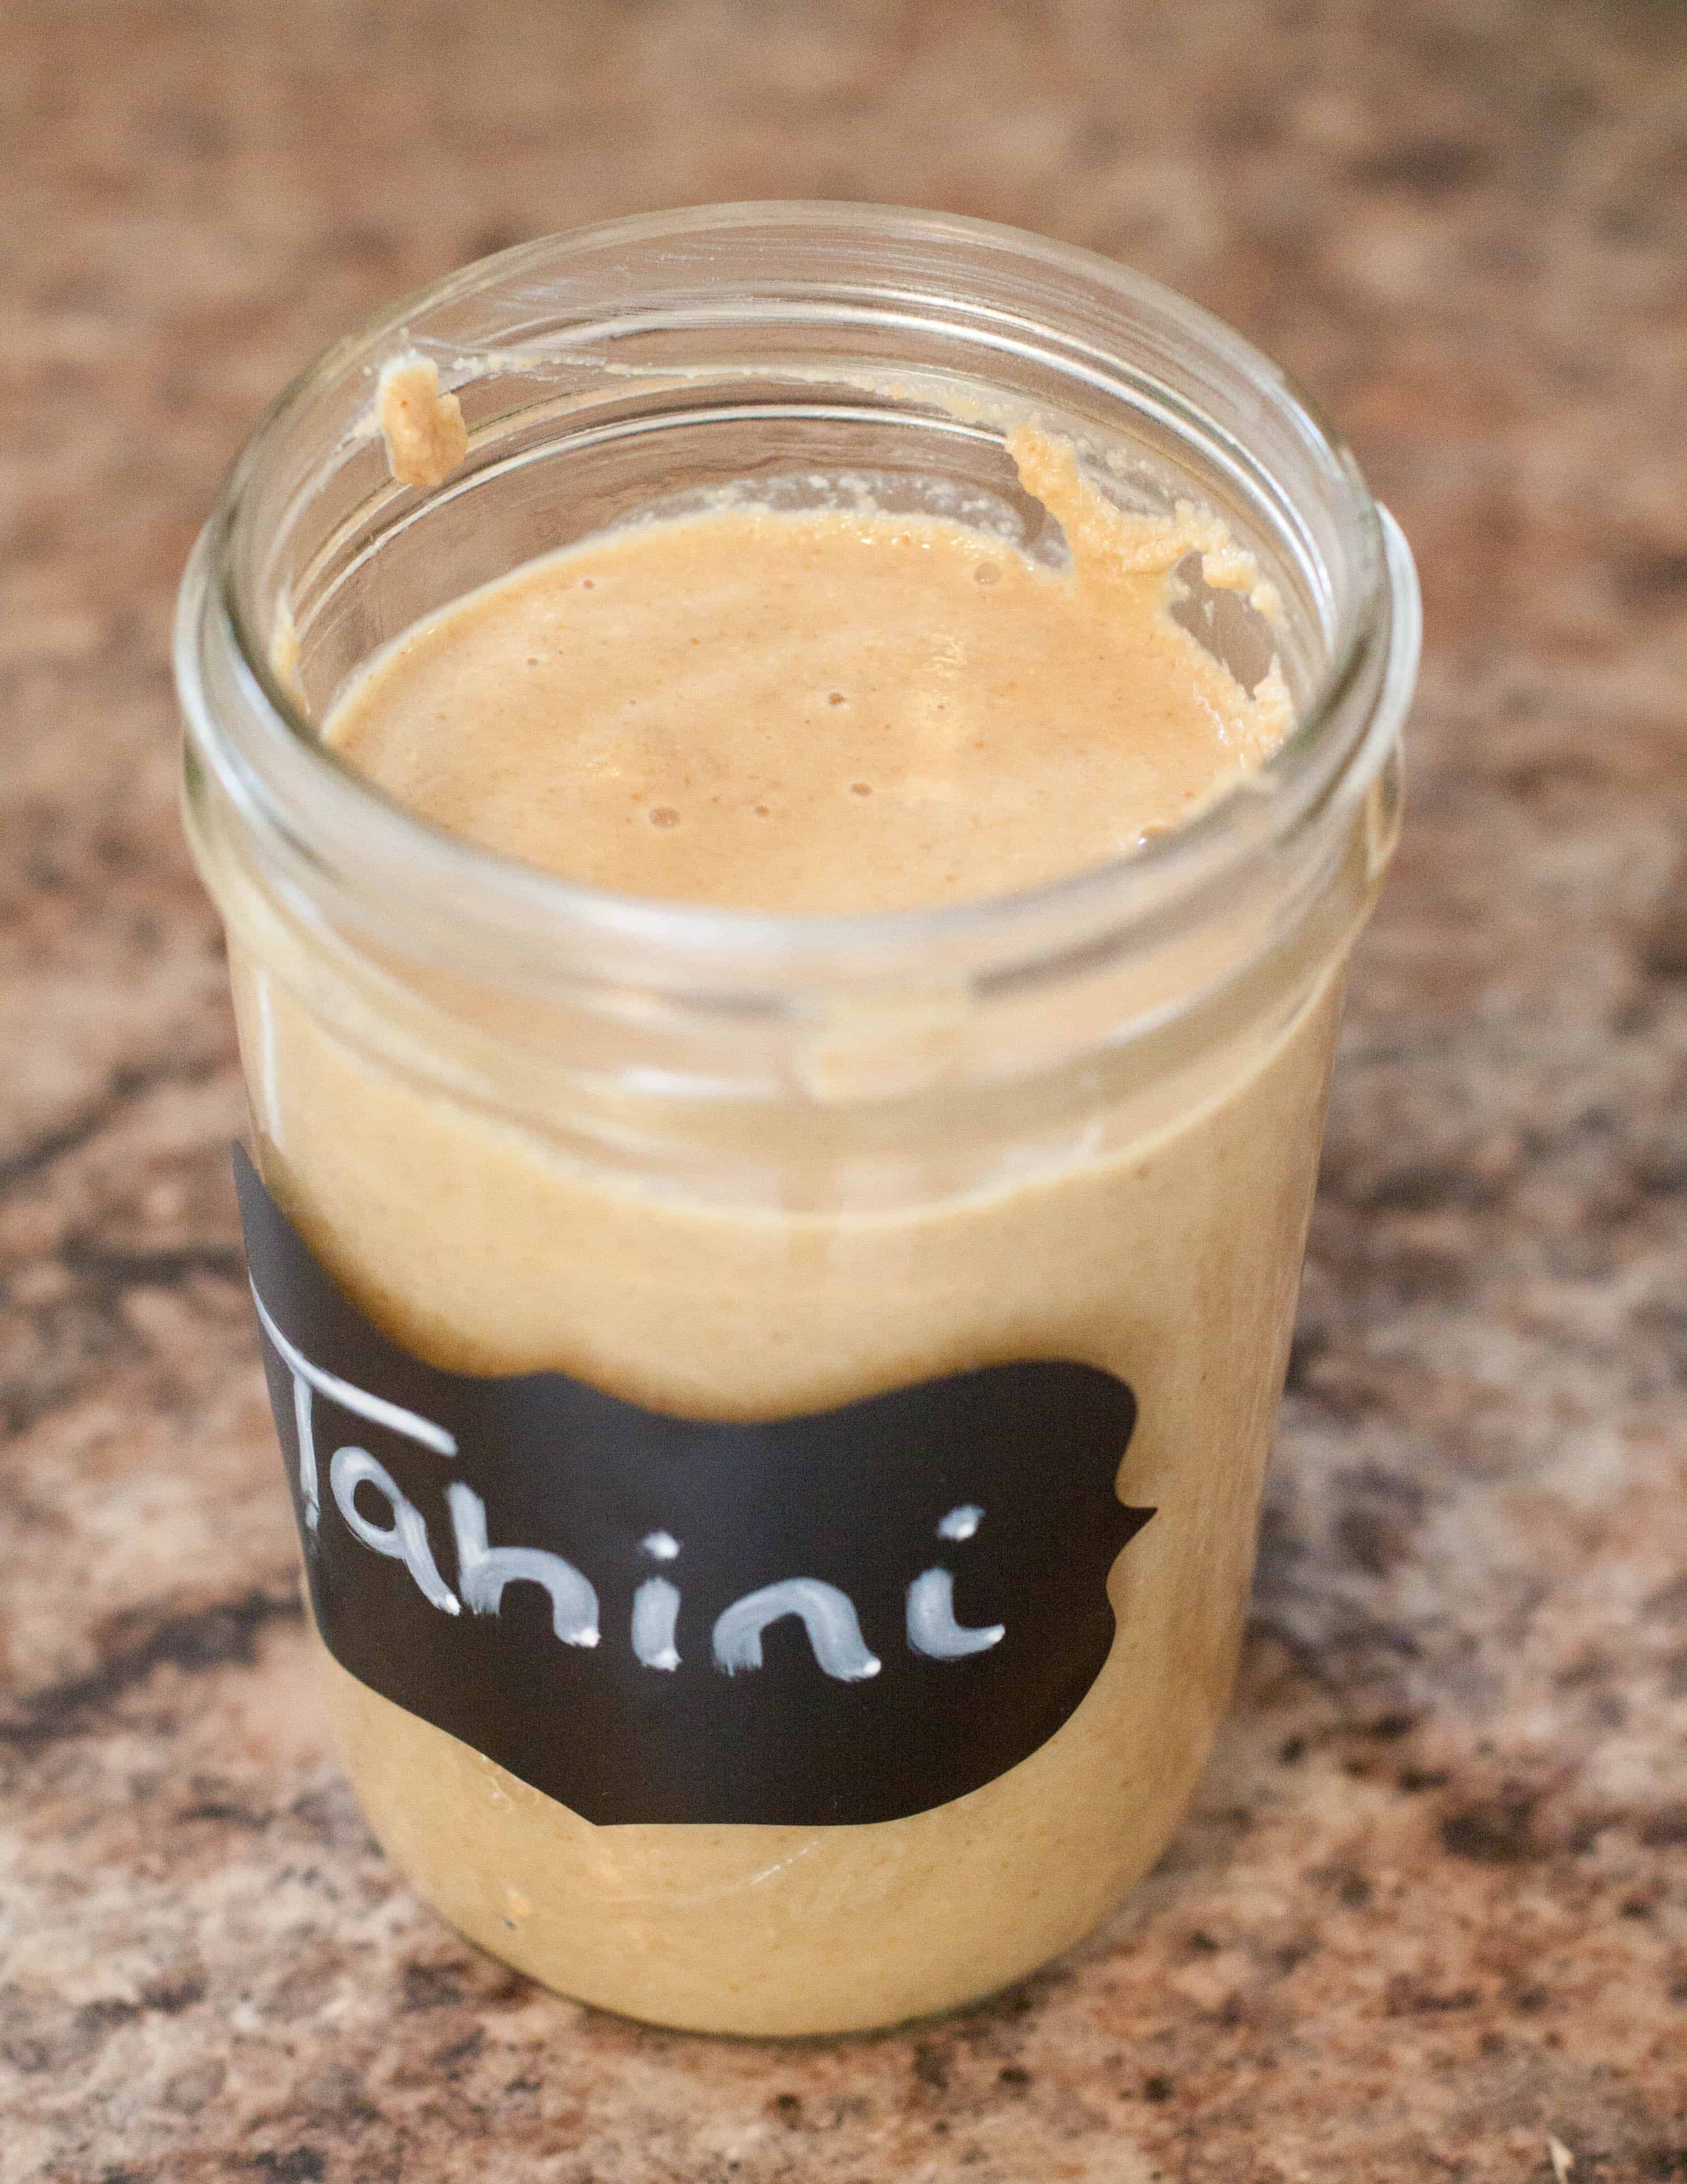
{"x":1429,"y":1916}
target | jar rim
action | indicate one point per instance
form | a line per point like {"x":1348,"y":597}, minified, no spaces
{"x":339,"y":827}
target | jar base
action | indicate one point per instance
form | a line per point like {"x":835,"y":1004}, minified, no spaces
{"x":754,"y":1932}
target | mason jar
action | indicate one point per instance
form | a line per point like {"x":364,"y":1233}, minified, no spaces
{"x":776,"y":1404}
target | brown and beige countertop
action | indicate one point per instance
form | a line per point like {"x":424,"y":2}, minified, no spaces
{"x":1428,"y":1919}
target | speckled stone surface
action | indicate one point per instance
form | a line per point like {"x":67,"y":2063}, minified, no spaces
{"x":1428,"y":1919}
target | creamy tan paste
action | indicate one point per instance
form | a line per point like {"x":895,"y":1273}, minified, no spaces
{"x":822,"y":711}
{"x":423,"y":429}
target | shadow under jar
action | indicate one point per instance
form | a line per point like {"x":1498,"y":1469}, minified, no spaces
{"x":907,"y":1288}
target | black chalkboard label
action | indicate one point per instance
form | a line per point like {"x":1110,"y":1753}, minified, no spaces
{"x":850,"y":1616}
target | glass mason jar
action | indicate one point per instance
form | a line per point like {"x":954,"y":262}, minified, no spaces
{"x":723,"y":1170}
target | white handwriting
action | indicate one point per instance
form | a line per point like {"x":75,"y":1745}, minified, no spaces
{"x":828,"y":1615}
{"x":406,"y":1539}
